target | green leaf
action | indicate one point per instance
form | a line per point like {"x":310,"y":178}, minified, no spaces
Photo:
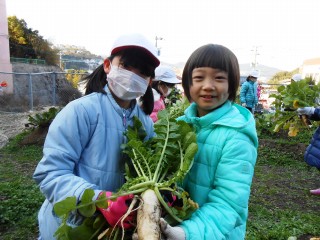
{"x":83,"y":232}
{"x":99,"y":221}
{"x":104,"y":201}
{"x":62,"y":233}
{"x":89,"y":209}
{"x":65,"y":206}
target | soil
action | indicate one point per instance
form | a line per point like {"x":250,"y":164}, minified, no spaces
{"x":12,"y":124}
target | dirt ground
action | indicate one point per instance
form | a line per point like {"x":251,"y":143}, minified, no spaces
{"x":12,"y":124}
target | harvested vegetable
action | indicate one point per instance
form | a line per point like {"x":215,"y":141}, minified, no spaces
{"x":160,"y":164}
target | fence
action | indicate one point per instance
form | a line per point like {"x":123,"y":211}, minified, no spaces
{"x":27,"y":60}
{"x":36,"y":90}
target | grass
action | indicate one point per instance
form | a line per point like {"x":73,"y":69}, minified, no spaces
{"x":280,"y":204}
{"x":19,"y":195}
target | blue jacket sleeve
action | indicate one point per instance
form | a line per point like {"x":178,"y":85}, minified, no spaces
{"x":67,"y":136}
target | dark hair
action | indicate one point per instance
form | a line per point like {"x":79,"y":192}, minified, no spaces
{"x":214,"y":56}
{"x":130,"y":57}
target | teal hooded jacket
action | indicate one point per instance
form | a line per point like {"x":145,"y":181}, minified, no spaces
{"x":221,"y":176}
{"x":248,"y":94}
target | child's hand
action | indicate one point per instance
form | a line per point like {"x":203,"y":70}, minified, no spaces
{"x":171,"y":233}
{"x":117,"y":209}
{"x":306,"y":111}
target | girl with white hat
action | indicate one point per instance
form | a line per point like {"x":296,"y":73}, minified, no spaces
{"x":83,"y":146}
{"x":162,"y":85}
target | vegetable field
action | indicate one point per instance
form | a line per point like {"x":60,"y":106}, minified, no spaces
{"x":280,"y":204}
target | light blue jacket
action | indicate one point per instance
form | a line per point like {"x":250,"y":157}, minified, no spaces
{"x":248,"y":94}
{"x":81,"y":151}
{"x":220,"y":178}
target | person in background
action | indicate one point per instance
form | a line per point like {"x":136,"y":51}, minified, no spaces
{"x":82,"y":149}
{"x":221,"y":176}
{"x":248,"y":91}
{"x":259,"y":91}
{"x":312,"y":153}
{"x":296,"y":77}
{"x":162,"y":85}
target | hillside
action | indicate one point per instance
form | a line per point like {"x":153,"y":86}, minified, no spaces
{"x":266,"y":72}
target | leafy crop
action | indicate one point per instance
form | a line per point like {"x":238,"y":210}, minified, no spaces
{"x":291,"y":97}
{"x":159,"y":164}
{"x":44,"y":119}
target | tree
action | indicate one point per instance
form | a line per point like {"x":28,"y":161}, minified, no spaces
{"x":27,"y":43}
{"x":279,"y":76}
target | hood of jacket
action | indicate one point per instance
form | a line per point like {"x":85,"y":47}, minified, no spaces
{"x":229,"y":115}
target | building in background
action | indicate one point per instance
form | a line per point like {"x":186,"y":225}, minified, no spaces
{"x":6,"y":80}
{"x":311,"y":68}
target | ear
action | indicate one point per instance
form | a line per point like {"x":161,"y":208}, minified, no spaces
{"x":106,"y":65}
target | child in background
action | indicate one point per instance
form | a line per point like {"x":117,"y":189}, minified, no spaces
{"x":248,"y":92}
{"x":312,"y":153}
{"x":221,"y":176}
{"x":82,"y":149}
{"x":164,"y":81}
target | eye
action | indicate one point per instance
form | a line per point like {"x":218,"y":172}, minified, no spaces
{"x":197,"y":77}
{"x":221,"y":77}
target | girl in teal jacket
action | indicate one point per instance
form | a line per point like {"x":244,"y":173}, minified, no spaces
{"x":221,"y":175}
{"x":249,"y":91}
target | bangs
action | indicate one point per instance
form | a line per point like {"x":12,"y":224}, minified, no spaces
{"x":210,"y":56}
{"x":213,"y":56}
{"x":136,"y":58}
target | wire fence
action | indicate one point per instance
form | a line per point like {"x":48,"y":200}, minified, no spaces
{"x":27,"y":60}
{"x":36,"y":90}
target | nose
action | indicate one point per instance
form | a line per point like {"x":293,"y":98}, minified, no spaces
{"x":208,"y":85}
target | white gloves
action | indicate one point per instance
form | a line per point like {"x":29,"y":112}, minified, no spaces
{"x":309,"y":111}
{"x":243,"y":104}
{"x":171,"y":233}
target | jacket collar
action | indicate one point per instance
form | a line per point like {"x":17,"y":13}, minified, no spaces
{"x":226,"y":115}
{"x":130,"y":112}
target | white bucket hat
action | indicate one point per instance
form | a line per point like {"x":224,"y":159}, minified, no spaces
{"x":296,"y":77}
{"x":136,"y":40}
{"x":254,"y":73}
{"x":166,"y":74}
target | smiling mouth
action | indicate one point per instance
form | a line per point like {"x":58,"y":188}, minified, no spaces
{"x":207,"y":96}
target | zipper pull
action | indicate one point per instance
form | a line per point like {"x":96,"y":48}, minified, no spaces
{"x":124,"y":119}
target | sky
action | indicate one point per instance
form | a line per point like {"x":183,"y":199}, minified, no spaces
{"x":275,"y":33}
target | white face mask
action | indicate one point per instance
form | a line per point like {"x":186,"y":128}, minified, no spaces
{"x":125,"y":84}
{"x":165,"y":94}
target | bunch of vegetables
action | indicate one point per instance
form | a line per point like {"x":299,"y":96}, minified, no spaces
{"x":291,"y":97}
{"x":159,"y":165}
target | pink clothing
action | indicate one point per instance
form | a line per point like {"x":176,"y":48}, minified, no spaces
{"x":258,"y":91}
{"x":158,"y":106}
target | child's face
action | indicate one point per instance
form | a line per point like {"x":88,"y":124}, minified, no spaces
{"x":209,"y":88}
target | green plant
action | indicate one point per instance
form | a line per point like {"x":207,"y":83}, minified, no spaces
{"x":177,"y":109}
{"x":173,"y":97}
{"x":289,"y":98}
{"x":43,"y":120}
{"x":159,"y":164}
